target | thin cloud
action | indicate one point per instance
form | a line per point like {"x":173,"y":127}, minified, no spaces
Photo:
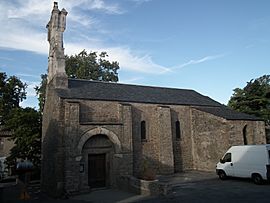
{"x":131,"y":80}
{"x":127,"y":59}
{"x":6,"y":58}
{"x":28,"y":75}
{"x":138,"y":2}
{"x":133,"y":62}
{"x":198,"y":61}
{"x":109,"y":8}
{"x":29,"y":17}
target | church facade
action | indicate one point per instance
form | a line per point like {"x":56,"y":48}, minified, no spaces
{"x":96,"y":132}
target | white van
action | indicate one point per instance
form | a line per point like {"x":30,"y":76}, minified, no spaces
{"x":247,"y":161}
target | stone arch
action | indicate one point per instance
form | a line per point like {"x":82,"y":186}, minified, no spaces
{"x":96,"y":131}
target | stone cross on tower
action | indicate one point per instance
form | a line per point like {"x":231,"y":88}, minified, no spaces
{"x":56,"y":59}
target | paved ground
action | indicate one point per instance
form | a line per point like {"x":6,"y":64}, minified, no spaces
{"x":110,"y":195}
{"x":215,"y":190}
{"x":188,"y":187}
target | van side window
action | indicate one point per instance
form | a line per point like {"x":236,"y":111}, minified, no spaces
{"x":227,"y":157}
{"x":269,"y":153}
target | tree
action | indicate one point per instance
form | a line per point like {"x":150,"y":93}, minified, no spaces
{"x":25,"y":124}
{"x":254,"y":98}
{"x":91,"y":67}
{"x":84,"y":66}
{"x":41,"y":92}
{"x":12,"y":92}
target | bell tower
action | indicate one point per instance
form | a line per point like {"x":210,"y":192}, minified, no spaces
{"x":56,"y":60}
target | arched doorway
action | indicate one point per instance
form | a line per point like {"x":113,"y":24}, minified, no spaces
{"x":97,"y":156}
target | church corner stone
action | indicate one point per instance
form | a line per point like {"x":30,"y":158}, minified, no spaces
{"x":98,"y":134}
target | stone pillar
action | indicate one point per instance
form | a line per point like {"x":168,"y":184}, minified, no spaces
{"x":127,"y":129}
{"x":126,"y":141}
{"x":166,"y":158}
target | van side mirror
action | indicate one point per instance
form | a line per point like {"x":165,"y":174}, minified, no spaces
{"x":222,"y":161}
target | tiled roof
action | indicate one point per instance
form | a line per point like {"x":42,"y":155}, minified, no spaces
{"x":108,"y":91}
{"x":227,"y":113}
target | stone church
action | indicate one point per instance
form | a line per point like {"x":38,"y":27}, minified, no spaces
{"x":96,"y":132}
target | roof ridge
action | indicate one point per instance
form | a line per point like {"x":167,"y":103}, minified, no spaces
{"x":133,"y":85}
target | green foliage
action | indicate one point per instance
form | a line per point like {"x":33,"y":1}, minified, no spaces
{"x":25,"y":124}
{"x":12,"y":92}
{"x":91,"y":67}
{"x":41,"y":92}
{"x":254,"y":98}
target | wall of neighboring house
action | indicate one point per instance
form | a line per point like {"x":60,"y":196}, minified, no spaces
{"x":5,"y":146}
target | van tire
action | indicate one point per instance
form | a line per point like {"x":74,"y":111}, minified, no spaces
{"x":222,"y":175}
{"x":257,"y":178}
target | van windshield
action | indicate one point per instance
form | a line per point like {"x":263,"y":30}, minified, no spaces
{"x":227,"y":158}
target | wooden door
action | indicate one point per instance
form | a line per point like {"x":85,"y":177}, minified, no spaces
{"x":97,"y":170}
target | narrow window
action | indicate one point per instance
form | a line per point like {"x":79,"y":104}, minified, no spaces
{"x":177,"y":130}
{"x":245,"y":135}
{"x":143,"y":131}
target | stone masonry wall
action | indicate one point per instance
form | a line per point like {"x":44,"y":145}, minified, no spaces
{"x":211,"y":139}
{"x":255,"y":132}
{"x":161,"y":142}
{"x":52,"y":177}
{"x":166,"y":157}
{"x":212,"y":136}
{"x":89,"y":118}
{"x":182,"y":147}
{"x":161,"y":150}
{"x":70,"y":123}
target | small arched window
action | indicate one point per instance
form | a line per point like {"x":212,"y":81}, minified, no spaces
{"x":143,"y":130}
{"x":177,"y":130}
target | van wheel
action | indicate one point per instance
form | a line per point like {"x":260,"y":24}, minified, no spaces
{"x":222,"y":175}
{"x":257,"y":179}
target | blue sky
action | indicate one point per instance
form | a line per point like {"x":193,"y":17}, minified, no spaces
{"x":211,"y":46}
